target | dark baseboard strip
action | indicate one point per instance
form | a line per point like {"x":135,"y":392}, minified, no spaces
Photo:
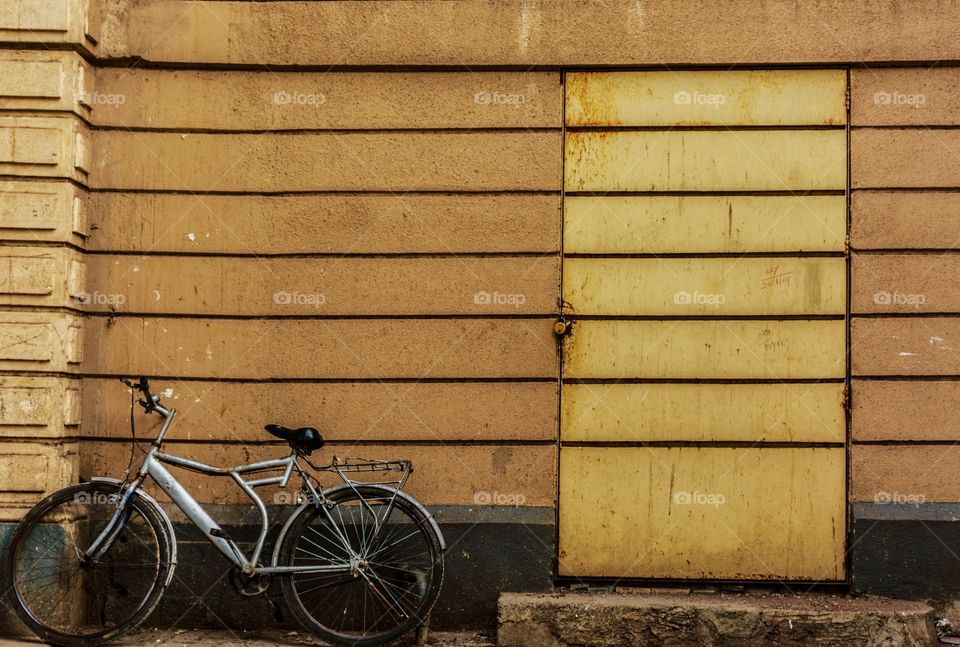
{"x":906,"y":511}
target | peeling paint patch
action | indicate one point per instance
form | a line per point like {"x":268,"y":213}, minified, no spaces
{"x":526,"y":26}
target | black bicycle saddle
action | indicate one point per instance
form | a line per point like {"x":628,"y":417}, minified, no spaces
{"x":304,"y":439}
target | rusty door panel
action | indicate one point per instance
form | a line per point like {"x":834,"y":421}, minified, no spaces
{"x":612,"y":224}
{"x":704,"y":98}
{"x":702,"y":420}
{"x":705,"y":286}
{"x":776,"y":412}
{"x":692,"y":349}
{"x":750,"y":160}
{"x":702,"y":512}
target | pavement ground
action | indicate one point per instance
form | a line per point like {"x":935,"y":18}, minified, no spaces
{"x":263,"y":638}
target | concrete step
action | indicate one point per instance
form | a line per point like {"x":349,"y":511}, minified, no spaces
{"x":710,"y":620}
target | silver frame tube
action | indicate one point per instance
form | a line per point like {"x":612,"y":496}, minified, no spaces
{"x":204,"y":522}
{"x":153,"y":466}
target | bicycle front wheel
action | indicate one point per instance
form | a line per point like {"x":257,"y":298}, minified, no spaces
{"x":69,"y":600}
{"x":390,"y":566}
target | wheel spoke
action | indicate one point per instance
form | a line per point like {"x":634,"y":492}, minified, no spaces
{"x":383,"y":548}
{"x":318,"y":547}
{"x":395,"y":567}
{"x":324,"y":586}
{"x":383,"y":598}
{"x":337,"y":545}
{"x":63,"y":597}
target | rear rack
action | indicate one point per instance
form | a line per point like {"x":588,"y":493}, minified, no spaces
{"x":345,"y":469}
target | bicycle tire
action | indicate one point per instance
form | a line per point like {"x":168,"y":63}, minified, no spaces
{"x":433,"y":557}
{"x":144,"y":517}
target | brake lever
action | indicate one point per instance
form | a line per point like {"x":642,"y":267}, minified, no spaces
{"x":151,"y":404}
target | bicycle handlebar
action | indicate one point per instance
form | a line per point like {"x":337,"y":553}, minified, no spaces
{"x":149,"y":403}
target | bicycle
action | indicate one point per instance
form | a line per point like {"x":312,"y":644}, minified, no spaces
{"x":360,"y":563}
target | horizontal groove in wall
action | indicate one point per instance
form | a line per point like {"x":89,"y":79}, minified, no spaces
{"x":684,"y":128}
{"x":27,"y":308}
{"x":904,"y":127}
{"x":33,"y":112}
{"x":280,"y":255}
{"x":15,"y":308}
{"x":867,"y":65}
{"x":312,"y":380}
{"x":361,"y":317}
{"x":916,"y":251}
{"x":272,"y":68}
{"x":140,"y":62}
{"x":907,"y":189}
{"x":333,"y":131}
{"x":144,"y":438}
{"x":793,"y":587}
{"x":574,"y":317}
{"x":681,"y":194}
{"x":399,"y":194}
{"x":570,"y":316}
{"x":47,"y":244}
{"x":693,"y":67}
{"x":866,"y":377}
{"x":42,"y":114}
{"x":43,"y":178}
{"x":497,"y":380}
{"x":671,"y":380}
{"x":42,"y":46}
{"x":145,"y":63}
{"x":901,"y":315}
{"x":446,"y":514}
{"x":726,"y":444}
{"x":797,"y":254}
{"x":42,"y":374}
{"x":908,"y":443}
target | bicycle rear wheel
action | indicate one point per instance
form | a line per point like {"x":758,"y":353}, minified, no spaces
{"x":394,"y":559}
{"x":67,"y":600}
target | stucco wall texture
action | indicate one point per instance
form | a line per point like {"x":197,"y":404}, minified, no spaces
{"x":286,"y":211}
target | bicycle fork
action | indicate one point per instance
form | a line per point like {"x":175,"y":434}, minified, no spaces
{"x":114,"y":527}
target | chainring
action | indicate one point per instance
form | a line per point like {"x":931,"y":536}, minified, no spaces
{"x":247,"y":585}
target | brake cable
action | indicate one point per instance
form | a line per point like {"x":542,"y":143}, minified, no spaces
{"x":134,"y":445}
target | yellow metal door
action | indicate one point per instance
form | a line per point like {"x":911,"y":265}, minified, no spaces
{"x":702,"y":433}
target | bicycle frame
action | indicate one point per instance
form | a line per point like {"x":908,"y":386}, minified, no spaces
{"x":153,"y":466}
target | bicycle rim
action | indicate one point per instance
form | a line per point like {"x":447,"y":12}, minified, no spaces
{"x":69,"y":601}
{"x":389,"y":589}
